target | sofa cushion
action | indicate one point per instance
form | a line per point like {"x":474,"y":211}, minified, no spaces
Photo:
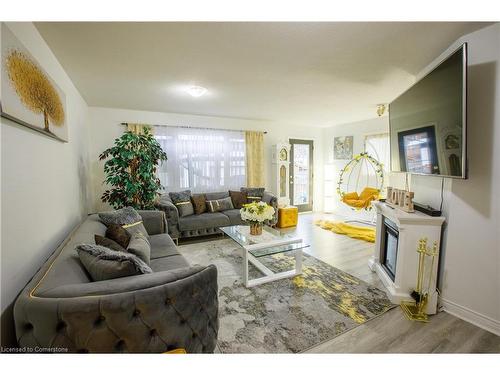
{"x":199,"y":203}
{"x":182,"y":200}
{"x":162,"y":246}
{"x":136,"y":227}
{"x":125,"y":215}
{"x":254,"y":194}
{"x":140,"y":247}
{"x":104,"y":264}
{"x":118,"y":234}
{"x":216,"y":195}
{"x":219,"y":205}
{"x":169,"y":263}
{"x":234,"y":217}
{"x":108,"y":242}
{"x":206,"y":220}
{"x":239,"y":198}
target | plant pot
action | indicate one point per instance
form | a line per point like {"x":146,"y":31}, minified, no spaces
{"x":256,"y":229}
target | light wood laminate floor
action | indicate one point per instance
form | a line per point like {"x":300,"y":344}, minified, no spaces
{"x":391,"y":332}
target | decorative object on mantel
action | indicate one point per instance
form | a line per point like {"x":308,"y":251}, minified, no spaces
{"x":256,"y":214}
{"x":131,"y":171}
{"x":29,"y":96}
{"x":342,"y":147}
{"x":415,"y":310}
{"x":401,"y":199}
{"x":395,"y":260}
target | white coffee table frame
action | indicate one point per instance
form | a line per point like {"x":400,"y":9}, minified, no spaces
{"x":286,"y":243}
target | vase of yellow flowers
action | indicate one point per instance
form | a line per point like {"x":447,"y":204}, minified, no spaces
{"x":256,"y":214}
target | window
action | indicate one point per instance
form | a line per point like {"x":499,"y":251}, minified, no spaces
{"x":201,"y":160}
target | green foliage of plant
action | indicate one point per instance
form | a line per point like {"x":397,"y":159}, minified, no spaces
{"x":131,"y":171}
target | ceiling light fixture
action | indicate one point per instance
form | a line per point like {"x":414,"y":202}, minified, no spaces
{"x":196,"y":91}
{"x":381,"y":109}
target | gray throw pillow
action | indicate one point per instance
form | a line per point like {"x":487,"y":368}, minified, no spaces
{"x":254,"y":194}
{"x":105,"y":264}
{"x":218,"y":205}
{"x":125,"y":215}
{"x":182,"y":200}
{"x":140,"y":247}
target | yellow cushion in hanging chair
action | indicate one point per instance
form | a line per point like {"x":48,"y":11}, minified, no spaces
{"x":363,"y":200}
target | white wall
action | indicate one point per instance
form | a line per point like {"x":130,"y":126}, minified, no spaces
{"x":105,"y":127}
{"x":359,"y":130}
{"x":470,"y":274}
{"x":44,"y":184}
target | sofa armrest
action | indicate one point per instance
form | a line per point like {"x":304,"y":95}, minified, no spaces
{"x":164,"y":311}
{"x":172,"y":215}
{"x":122,"y":284}
{"x":154,"y":221}
{"x":271,"y":200}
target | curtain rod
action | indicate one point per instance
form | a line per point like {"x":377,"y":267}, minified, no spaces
{"x":191,"y":127}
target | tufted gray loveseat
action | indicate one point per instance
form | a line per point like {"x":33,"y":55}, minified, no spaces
{"x":61,"y":309}
{"x":206,"y":223}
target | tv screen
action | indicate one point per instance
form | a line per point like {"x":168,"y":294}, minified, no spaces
{"x":428,"y":122}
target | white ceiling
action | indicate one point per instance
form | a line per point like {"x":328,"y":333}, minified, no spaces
{"x":311,"y":74}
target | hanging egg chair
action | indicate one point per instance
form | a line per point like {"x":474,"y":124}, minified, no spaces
{"x":361,"y":181}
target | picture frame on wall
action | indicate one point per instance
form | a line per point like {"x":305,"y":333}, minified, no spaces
{"x":29,"y":96}
{"x":343,"y":147}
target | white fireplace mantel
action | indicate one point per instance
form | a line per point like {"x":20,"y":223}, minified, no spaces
{"x":412,"y":227}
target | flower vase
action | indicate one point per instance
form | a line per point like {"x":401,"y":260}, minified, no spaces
{"x":256,"y":229}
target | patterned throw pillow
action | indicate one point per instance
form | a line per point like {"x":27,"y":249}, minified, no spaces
{"x":125,"y":215}
{"x":104,"y":264}
{"x":118,"y":234}
{"x":182,"y":200}
{"x":200,"y":203}
{"x":239,"y":198}
{"x":218,"y":205}
{"x":108,"y":242}
{"x":140,"y":247}
{"x":254,"y":194}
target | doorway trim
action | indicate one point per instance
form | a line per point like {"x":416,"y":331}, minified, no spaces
{"x":309,"y":206}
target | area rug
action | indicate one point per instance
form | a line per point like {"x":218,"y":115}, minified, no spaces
{"x":288,"y":315}
{"x":353,"y":231}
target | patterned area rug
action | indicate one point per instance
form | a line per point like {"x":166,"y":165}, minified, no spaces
{"x":289,"y":315}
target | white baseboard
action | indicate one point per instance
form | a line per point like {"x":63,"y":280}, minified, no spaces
{"x":471,"y":316}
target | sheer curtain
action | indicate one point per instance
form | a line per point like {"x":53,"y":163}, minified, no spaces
{"x":202,"y":160}
{"x":377,"y":145}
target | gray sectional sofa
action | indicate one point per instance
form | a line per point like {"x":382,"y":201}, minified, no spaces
{"x":205,"y":223}
{"x":176,"y":306}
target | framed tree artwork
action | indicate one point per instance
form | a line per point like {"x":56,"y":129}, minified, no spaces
{"x":29,"y":96}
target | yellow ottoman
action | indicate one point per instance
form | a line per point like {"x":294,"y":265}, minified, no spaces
{"x":287,"y":217}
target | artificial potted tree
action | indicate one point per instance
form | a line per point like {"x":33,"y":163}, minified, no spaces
{"x":131,"y":171}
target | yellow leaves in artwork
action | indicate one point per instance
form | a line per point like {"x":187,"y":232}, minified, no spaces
{"x":34,"y":89}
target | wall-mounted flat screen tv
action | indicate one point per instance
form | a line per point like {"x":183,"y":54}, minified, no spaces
{"x":428,"y":122}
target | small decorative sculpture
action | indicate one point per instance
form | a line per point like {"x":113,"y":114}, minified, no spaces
{"x":402,"y":199}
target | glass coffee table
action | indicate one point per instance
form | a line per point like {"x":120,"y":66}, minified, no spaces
{"x":271,"y":242}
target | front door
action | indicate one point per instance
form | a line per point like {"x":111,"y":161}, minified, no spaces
{"x":301,"y":174}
